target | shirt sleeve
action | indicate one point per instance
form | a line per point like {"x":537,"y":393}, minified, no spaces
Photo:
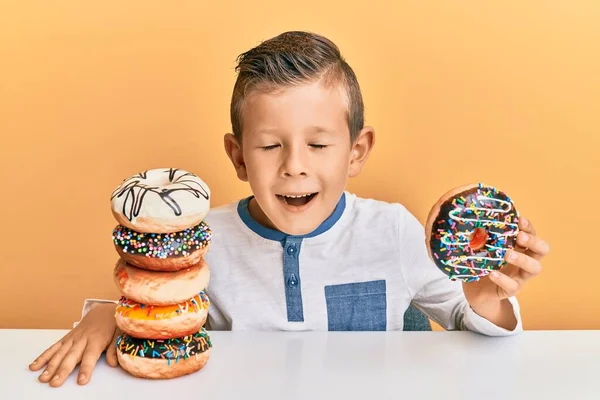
{"x":89,"y":304}
{"x":216,"y":321}
{"x":433,"y":292}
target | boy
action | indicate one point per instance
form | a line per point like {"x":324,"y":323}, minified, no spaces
{"x":301,"y":253}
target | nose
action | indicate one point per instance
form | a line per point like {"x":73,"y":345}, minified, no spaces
{"x":295,"y":163}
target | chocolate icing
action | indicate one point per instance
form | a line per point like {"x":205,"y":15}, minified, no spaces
{"x":169,"y":349}
{"x":163,"y":245}
{"x":458,"y":217}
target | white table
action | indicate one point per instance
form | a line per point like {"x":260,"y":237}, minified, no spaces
{"x":339,"y":365}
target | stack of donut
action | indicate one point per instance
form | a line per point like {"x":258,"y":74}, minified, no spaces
{"x":161,"y":238}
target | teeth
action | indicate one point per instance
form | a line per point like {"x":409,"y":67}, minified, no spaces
{"x":298,"y":196}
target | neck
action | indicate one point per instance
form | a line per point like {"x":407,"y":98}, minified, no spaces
{"x":258,"y":215}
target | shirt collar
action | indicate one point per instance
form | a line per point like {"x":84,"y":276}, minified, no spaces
{"x":279,"y":236}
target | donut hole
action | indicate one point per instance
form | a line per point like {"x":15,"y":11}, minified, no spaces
{"x":478,"y":238}
{"x":160,"y":182}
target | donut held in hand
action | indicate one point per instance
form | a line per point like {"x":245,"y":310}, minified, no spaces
{"x":161,"y":200}
{"x":162,"y":251}
{"x":163,"y":359}
{"x":162,"y":322}
{"x":469,"y":229}
{"x":159,"y":288}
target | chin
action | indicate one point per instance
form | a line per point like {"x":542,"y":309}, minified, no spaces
{"x":299,"y":231}
{"x":296,"y":229}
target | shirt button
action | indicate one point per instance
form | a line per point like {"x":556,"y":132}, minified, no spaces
{"x":292,"y":281}
{"x":291,"y":250}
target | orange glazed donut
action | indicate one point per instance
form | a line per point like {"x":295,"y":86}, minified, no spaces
{"x":162,"y":322}
{"x":161,"y":200}
{"x":163,"y":359}
{"x":160,"y":288}
{"x":469,"y":229}
{"x":162,"y":251}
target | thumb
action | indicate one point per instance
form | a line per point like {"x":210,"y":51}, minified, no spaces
{"x":111,"y":352}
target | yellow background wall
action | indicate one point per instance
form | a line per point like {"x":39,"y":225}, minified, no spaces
{"x":502,"y":92}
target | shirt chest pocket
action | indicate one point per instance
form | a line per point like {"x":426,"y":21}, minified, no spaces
{"x":357,"y":306}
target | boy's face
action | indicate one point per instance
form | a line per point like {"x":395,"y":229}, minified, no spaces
{"x":296,"y":154}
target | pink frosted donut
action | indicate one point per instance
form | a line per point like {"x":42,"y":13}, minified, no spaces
{"x":162,"y":200}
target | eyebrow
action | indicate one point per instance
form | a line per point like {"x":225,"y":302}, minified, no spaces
{"x":320,"y":129}
{"x":266,"y":131}
{"x":313,"y":129}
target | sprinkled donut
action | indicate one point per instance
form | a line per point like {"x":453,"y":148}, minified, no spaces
{"x":161,"y":200}
{"x":162,"y":252}
{"x":163,"y":359}
{"x":162,"y":322}
{"x":469,"y":230}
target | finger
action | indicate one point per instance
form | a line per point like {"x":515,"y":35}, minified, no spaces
{"x":89,"y":360}
{"x":43,"y":359}
{"x":70,"y":360}
{"x":526,"y":225}
{"x":111,"y":352}
{"x":528,"y":265}
{"x":507,"y":286}
{"x":536,"y":247}
{"x":55,"y":361}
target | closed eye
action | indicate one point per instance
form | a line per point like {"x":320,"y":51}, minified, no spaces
{"x":270,"y":147}
{"x":318,"y":146}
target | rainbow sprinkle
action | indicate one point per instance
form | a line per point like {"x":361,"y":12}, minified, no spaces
{"x":162,"y":245}
{"x":169,"y":349}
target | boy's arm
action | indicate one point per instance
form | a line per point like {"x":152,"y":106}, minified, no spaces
{"x":444,"y":302}
{"x":89,"y":304}
{"x":434,"y":293}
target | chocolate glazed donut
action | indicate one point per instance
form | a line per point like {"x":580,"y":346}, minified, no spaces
{"x":162,"y":251}
{"x":163,"y":359}
{"x":469,"y":230}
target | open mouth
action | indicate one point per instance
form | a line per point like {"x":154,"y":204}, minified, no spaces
{"x":297,"y":200}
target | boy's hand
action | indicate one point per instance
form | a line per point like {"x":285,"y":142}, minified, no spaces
{"x":96,"y":332}
{"x":487,"y":296}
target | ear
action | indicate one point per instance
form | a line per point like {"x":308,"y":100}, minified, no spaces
{"x":233,"y":148}
{"x":360,"y":150}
